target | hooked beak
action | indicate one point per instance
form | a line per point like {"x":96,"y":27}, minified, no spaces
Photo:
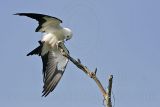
{"x":67,"y":39}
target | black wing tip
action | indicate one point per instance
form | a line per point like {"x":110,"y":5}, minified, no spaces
{"x":45,"y":93}
{"x":27,"y":54}
{"x":23,"y":14}
{"x":20,"y":14}
{"x":39,"y":14}
{"x":29,"y":14}
{"x":15,"y":14}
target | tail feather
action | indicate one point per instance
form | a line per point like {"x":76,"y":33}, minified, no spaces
{"x":36,"y":51}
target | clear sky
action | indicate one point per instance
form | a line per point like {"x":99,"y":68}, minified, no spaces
{"x":119,"y":37}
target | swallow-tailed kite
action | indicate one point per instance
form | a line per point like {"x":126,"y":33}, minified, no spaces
{"x":54,"y":63}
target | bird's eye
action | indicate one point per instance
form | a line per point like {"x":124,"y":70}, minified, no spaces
{"x":67,"y":36}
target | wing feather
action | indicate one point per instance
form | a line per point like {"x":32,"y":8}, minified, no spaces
{"x":54,"y":65}
{"x":46,"y":23}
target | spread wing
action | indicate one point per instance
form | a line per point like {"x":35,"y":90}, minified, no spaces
{"x":46,"y":23}
{"x":54,"y":65}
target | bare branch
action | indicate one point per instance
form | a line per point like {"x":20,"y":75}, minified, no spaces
{"x":109,"y":91}
{"x":106,"y":95}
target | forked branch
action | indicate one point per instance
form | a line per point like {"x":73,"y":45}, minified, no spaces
{"x":106,"y":93}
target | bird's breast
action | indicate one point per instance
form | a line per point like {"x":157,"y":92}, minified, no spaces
{"x":51,"y":39}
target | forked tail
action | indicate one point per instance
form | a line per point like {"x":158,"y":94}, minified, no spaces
{"x":36,"y":51}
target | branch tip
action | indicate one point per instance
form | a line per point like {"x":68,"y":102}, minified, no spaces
{"x":79,"y":61}
{"x":95,"y":71}
{"x":110,"y":77}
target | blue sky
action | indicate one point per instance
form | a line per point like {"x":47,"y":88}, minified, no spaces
{"x":119,"y":37}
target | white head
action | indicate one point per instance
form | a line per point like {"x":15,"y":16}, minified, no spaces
{"x":67,"y":33}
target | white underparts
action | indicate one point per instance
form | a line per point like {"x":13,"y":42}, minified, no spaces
{"x":50,"y":41}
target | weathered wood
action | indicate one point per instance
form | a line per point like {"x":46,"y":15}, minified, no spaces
{"x":106,"y":93}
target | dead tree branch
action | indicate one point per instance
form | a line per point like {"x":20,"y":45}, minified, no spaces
{"x":109,"y":91}
{"x":106,"y":93}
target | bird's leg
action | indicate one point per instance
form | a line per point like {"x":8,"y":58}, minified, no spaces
{"x":60,"y":46}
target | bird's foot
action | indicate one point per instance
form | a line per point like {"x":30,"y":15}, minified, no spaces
{"x":60,"y":45}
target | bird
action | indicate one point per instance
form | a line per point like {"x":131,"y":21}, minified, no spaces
{"x":54,"y":63}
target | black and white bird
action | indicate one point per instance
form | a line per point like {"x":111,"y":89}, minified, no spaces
{"x":54,"y":63}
